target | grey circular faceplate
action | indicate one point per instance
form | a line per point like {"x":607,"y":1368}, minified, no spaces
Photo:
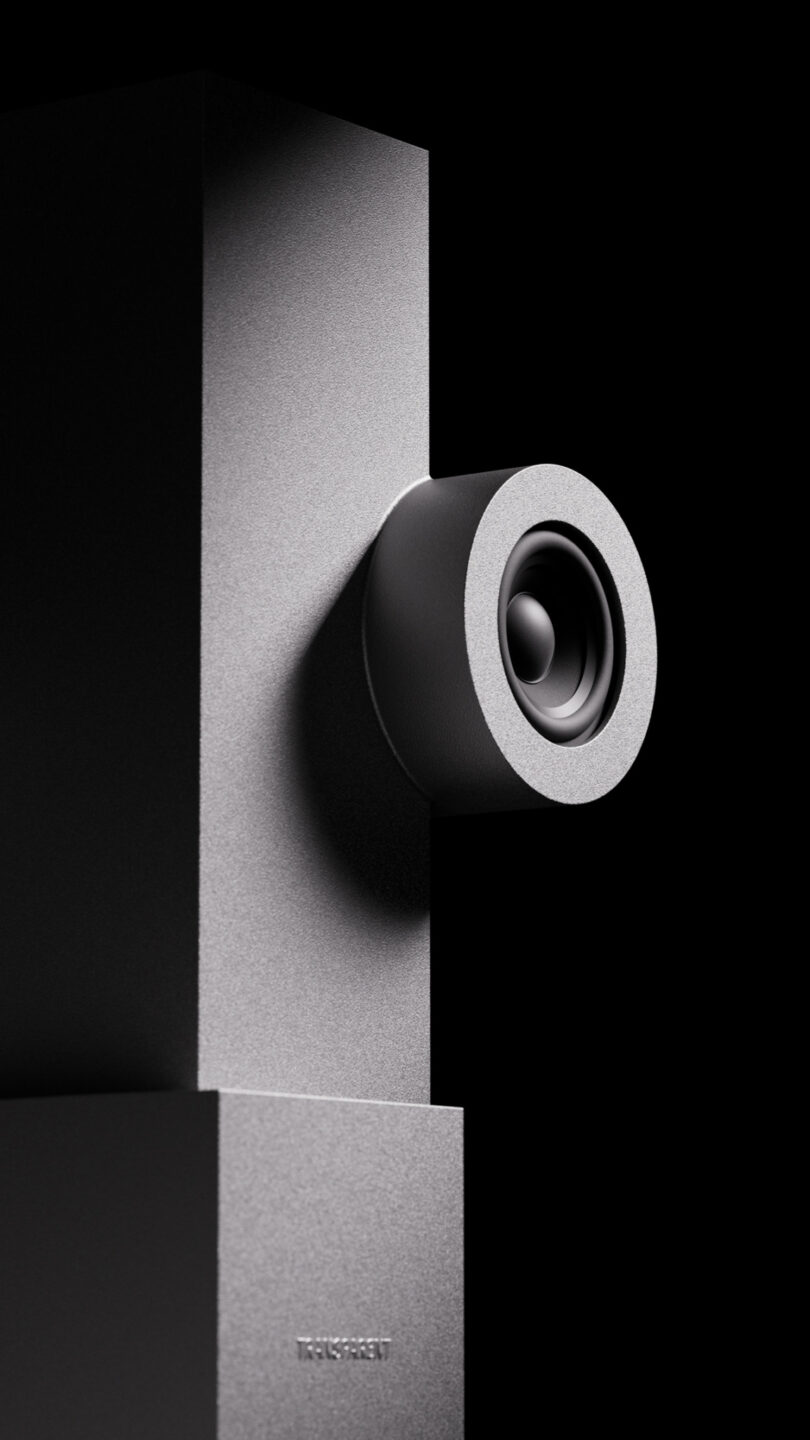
{"x":547,"y":495}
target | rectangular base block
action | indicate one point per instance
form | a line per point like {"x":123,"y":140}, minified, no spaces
{"x":230,"y":1266}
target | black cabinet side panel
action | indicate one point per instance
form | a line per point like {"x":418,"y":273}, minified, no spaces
{"x":108,"y":1259}
{"x":100,"y":332}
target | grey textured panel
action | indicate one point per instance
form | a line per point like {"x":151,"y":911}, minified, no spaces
{"x":313,"y":890}
{"x":339,"y":1219}
{"x":108,"y":1278}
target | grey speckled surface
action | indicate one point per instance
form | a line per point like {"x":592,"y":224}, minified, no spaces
{"x":339,"y":1219}
{"x":313,"y":886}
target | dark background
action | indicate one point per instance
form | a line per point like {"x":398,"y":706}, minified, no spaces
{"x":578,"y":964}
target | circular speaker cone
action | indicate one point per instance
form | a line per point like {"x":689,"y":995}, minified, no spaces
{"x":559,"y":635}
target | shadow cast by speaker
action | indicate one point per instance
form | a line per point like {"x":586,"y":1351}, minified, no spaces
{"x":373,"y":825}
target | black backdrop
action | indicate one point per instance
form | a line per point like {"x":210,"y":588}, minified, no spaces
{"x":571,"y":1009}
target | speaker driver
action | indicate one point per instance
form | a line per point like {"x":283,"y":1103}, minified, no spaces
{"x":560,"y":634}
{"x":509,"y":639}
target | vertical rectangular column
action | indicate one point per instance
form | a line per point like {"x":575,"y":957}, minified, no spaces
{"x":314,"y":850}
{"x":216,"y":877}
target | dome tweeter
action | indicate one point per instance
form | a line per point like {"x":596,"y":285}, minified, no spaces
{"x":509,"y":639}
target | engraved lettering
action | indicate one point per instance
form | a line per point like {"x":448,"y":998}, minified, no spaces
{"x":337,"y":1347}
